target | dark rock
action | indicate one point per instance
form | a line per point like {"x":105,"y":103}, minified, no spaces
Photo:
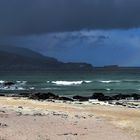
{"x":3,"y":125}
{"x":24,"y":94}
{"x":20,"y":107}
{"x":65,"y":98}
{"x":43,"y":96}
{"x":74,"y":134}
{"x":38,"y":114}
{"x":136,"y":96}
{"x":118,"y":103}
{"x":2,"y":94}
{"x":120,"y":96}
{"x":102,"y":97}
{"x":99,"y":96}
{"x":108,"y":98}
{"x":2,"y":111}
{"x":8,"y":83}
{"x":80,"y":98}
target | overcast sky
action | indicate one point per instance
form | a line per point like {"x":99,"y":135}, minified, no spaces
{"x":101,"y":32}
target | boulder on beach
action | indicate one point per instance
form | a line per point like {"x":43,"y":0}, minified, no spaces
{"x":2,"y":94}
{"x":24,"y":94}
{"x":121,"y":96}
{"x":99,"y":96}
{"x":80,"y":98}
{"x":43,"y":96}
{"x":136,"y":96}
{"x":65,"y":98}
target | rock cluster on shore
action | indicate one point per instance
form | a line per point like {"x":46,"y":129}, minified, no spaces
{"x":45,"y":96}
{"x":98,"y":96}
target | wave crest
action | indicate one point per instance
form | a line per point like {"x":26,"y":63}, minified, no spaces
{"x":68,"y":83}
{"x":109,"y":81}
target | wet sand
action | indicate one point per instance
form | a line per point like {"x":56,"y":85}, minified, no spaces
{"x":23,"y":119}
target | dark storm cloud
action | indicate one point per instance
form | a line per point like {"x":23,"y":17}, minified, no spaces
{"x":81,"y":36}
{"x":42,"y":16}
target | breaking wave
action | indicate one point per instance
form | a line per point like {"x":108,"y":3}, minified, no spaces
{"x":18,"y":85}
{"x":109,"y":81}
{"x":68,"y":83}
{"x":118,"y":81}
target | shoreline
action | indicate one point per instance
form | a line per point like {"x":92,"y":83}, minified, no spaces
{"x":125,"y":100}
{"x":83,"y":120}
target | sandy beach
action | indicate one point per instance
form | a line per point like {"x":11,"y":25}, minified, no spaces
{"x":24,"y":119}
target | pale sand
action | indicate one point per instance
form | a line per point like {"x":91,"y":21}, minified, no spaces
{"x":22,"y":119}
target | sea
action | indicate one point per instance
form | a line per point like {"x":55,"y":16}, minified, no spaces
{"x":71,"y":83}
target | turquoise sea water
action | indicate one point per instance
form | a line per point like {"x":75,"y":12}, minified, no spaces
{"x":70,"y":83}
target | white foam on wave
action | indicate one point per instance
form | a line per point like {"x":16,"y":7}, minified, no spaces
{"x":87,"y":81}
{"x":108,"y":89}
{"x":69,"y":83}
{"x":109,"y":81}
{"x":21,"y":82}
{"x":18,"y":85}
{"x":1,"y":81}
{"x":12,"y":88}
{"x":20,"y":88}
{"x":32,"y":88}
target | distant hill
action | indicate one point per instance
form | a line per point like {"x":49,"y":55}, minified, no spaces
{"x":16,"y":58}
{"x":25,"y":53}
